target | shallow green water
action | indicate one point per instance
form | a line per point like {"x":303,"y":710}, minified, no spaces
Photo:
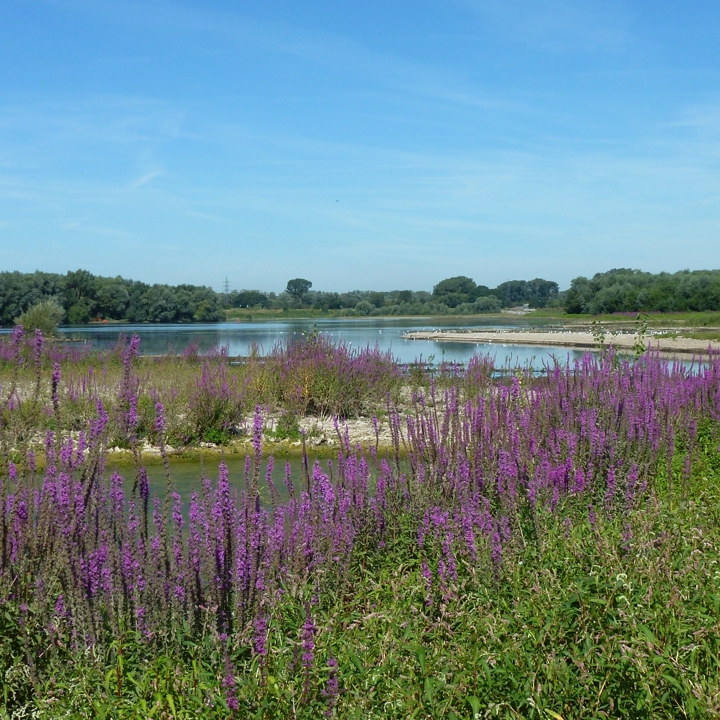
{"x":186,"y":474}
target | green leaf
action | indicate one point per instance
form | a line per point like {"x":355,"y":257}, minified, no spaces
{"x":357,"y":662}
{"x":420,"y":654}
{"x":429,"y":690}
{"x":474,"y":704}
{"x":673,"y":681}
{"x":647,"y":633}
{"x":100,"y":710}
{"x":109,"y":678}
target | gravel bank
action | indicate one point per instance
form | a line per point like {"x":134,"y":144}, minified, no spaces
{"x":622,"y":341}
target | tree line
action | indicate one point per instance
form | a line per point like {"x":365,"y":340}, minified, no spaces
{"x":457,"y":295}
{"x":83,"y":297}
{"x":625,"y":290}
{"x":79,"y":297}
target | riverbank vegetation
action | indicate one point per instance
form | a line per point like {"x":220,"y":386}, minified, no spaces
{"x":84,"y":297}
{"x":627,"y":290}
{"x":208,"y":398}
{"x":535,"y":546}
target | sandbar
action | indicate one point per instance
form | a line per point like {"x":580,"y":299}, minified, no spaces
{"x":570,"y":339}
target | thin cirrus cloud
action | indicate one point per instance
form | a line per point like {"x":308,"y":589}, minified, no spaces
{"x":281,"y":147}
{"x":186,"y":26}
{"x":560,"y":25}
{"x":395,"y":200}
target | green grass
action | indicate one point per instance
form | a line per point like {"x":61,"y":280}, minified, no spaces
{"x":249,"y":314}
{"x":670,"y":319}
{"x":582,"y":621}
{"x":702,"y":335}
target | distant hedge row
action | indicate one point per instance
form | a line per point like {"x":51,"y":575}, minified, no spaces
{"x":624,"y":290}
{"x":85,"y":297}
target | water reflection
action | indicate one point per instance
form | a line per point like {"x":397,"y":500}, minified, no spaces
{"x":386,"y":333}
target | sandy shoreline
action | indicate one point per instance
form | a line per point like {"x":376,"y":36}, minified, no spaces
{"x":569,"y":339}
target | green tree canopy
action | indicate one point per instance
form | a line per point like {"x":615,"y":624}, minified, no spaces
{"x":626,"y":290}
{"x":459,"y":284}
{"x":455,"y":291}
{"x":44,"y":316}
{"x":297,"y":288}
{"x":535,"y":293}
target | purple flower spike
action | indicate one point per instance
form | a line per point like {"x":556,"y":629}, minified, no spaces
{"x":229,"y":685}
{"x":261,"y":626}
{"x":55,"y":382}
{"x":257,"y":430}
{"x":332,"y":687}
{"x":308,"y":648}
{"x":159,"y":418}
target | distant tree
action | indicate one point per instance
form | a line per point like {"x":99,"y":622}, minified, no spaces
{"x":112,"y":300}
{"x":80,"y":292}
{"x":364,"y":307}
{"x":405,"y":296}
{"x":350,"y":299}
{"x":377,"y":299}
{"x":20,"y":291}
{"x":326,"y":301}
{"x":535,"y":293}
{"x":206,"y":311}
{"x":487,"y":304}
{"x":577,"y":297}
{"x":44,"y":316}
{"x":298,"y":288}
{"x":248,"y":298}
{"x":459,"y":288}
{"x":160,"y":304}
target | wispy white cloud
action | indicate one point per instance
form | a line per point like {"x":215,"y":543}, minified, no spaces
{"x":106,"y":118}
{"x":560,"y":25}
{"x":146,"y":178}
{"x":184,"y":24}
{"x":701,"y":119}
{"x":151,"y":177}
{"x":624,"y":201}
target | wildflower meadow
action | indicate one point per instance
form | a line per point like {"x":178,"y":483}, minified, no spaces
{"x":529,"y":544}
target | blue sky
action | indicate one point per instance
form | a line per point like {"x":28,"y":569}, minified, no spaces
{"x":373,"y":145}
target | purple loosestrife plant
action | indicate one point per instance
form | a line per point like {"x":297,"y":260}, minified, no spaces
{"x":332,"y":686}
{"x":229,"y":685}
{"x":472,"y":477}
{"x":55,"y":382}
{"x":308,"y":648}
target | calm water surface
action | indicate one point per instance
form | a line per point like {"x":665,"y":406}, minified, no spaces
{"x":186,"y":474}
{"x":385,"y":333}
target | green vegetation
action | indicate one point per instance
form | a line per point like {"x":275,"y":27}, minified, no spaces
{"x":453,"y":296}
{"x":530,"y":547}
{"x":582,"y":622}
{"x":207,"y":398}
{"x":85,"y":297}
{"x":298,"y":289}
{"x":44,"y":316}
{"x":625,"y":290}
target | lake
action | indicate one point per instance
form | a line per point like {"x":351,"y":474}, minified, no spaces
{"x":386,"y":333}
